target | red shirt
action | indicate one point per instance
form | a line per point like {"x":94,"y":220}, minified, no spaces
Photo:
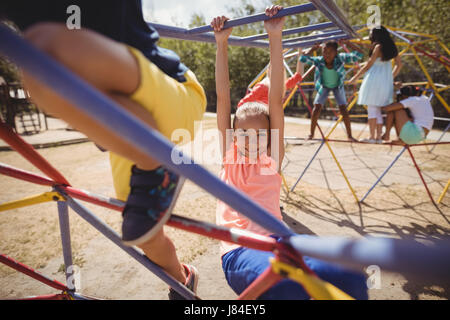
{"x":260,"y":92}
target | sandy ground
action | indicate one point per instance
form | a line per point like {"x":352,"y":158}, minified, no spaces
{"x":320,"y":205}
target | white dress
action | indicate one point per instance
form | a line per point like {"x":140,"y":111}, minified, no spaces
{"x":377,"y":88}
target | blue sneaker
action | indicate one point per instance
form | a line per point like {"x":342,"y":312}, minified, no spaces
{"x":149,"y":205}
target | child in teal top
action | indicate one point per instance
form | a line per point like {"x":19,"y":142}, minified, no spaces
{"x":329,"y":76}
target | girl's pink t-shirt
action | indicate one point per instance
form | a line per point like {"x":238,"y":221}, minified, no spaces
{"x":260,"y":181}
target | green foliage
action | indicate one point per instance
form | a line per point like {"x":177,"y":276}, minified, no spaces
{"x":423,"y":16}
{"x":8,"y":71}
{"x":426,"y":16}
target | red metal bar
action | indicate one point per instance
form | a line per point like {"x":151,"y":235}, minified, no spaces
{"x":94,"y":198}
{"x":420,"y":175}
{"x":390,"y":144}
{"x":261,"y":284}
{"x":251,"y":240}
{"x":58,"y":296}
{"x":237,"y":236}
{"x":32,"y":273}
{"x":25,"y":175}
{"x":435,"y":58}
{"x":28,"y":152}
{"x":310,"y":110}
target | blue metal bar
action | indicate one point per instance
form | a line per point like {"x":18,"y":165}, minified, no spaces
{"x":384,"y":173}
{"x":180,"y":34}
{"x":109,"y":114}
{"x":306,"y":44}
{"x":308,"y":165}
{"x":286,"y":65}
{"x":402,"y":256}
{"x":440,"y":138}
{"x":315,"y":36}
{"x":64,"y":228}
{"x":257,"y":18}
{"x":108,"y":232}
{"x":335,"y":15}
{"x":319,"y":26}
{"x":79,"y":296}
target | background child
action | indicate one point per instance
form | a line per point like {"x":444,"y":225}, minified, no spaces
{"x":260,"y":180}
{"x":377,"y":88}
{"x":329,"y":76}
{"x":410,"y":130}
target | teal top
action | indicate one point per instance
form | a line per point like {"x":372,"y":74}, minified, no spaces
{"x":338,"y":65}
{"x":330,"y":78}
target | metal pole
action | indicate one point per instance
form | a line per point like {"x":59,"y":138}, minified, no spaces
{"x":28,"y":152}
{"x":319,"y":26}
{"x":402,"y":256}
{"x":440,"y":138}
{"x":109,"y":114}
{"x":384,"y":173}
{"x":64,"y":227}
{"x":256,"y":18}
{"x":115,"y":238}
{"x":308,"y":165}
{"x":420,"y":175}
{"x":441,"y":197}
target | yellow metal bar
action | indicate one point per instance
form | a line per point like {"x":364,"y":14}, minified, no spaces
{"x":443,"y":192}
{"x":316,"y":288}
{"x":422,"y":84}
{"x":29,"y":201}
{"x":400,"y":44}
{"x":443,"y":89}
{"x":430,"y":80}
{"x":342,"y":171}
{"x":424,"y":41}
{"x":306,"y":84}
{"x":258,"y":79}
{"x":351,"y":105}
{"x":291,"y":94}
{"x":284,"y":182}
{"x":404,"y":51}
{"x":358,"y":116}
{"x":414,"y":32}
{"x":443,"y":46}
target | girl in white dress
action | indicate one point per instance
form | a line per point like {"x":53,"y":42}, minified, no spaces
{"x":377,"y":88}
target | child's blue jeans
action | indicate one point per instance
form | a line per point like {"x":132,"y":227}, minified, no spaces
{"x":243,"y":265}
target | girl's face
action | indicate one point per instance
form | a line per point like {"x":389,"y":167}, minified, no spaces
{"x":251,"y":135}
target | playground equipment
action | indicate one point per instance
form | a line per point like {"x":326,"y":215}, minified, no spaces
{"x":417,"y":48}
{"x":388,"y":254}
{"x":341,"y":28}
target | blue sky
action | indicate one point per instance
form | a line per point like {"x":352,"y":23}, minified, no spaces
{"x":179,"y":12}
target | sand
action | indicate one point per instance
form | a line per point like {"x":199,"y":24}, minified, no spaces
{"x":320,"y":205}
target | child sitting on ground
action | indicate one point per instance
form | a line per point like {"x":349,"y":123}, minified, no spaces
{"x":409,"y":130}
